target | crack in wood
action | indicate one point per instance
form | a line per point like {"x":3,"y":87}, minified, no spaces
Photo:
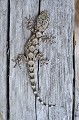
{"x":8,"y":58}
{"x":73,"y":106}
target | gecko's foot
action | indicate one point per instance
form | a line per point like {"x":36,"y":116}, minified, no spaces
{"x":44,"y":61}
{"x":19,"y":59}
{"x":41,"y":58}
{"x":48,"y":38}
{"x":30,"y":23}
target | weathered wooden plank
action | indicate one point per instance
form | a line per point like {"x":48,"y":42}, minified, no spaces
{"x":22,"y":100}
{"x":3,"y":65}
{"x":56,"y":78}
{"x":76,"y":30}
{"x":77,"y":73}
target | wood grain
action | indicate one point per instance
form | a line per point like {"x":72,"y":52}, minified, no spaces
{"x":22,"y":100}
{"x":76,"y":73}
{"x":55,"y":80}
{"x":3,"y":60}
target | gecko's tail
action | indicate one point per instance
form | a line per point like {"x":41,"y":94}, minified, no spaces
{"x":43,"y":103}
{"x":33,"y":85}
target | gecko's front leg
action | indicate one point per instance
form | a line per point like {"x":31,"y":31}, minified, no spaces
{"x":47,"y":38}
{"x":30,"y":23}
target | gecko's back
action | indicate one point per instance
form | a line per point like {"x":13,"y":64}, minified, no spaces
{"x":31,"y":50}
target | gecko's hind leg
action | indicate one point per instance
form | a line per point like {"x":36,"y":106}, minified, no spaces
{"x":41,"y":58}
{"x":18,"y":60}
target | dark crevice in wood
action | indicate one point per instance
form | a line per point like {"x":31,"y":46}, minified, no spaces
{"x":38,"y":74}
{"x":39,"y":7}
{"x":38,"y":70}
{"x":8,"y":59}
{"x":38,"y":50}
{"x":73,"y":107}
{"x":48,"y":112}
{"x":35,"y":108}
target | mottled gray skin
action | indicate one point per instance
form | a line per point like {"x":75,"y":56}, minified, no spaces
{"x":41,"y":25}
{"x":31,"y":53}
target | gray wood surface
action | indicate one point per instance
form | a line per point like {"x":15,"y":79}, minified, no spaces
{"x":55,"y":80}
{"x":3,"y":65}
{"x":22,"y":100}
{"x":77,"y":73}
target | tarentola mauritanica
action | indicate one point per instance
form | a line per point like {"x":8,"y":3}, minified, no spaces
{"x":31,"y":53}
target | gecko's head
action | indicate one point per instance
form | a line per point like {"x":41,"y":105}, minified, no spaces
{"x":42,"y":21}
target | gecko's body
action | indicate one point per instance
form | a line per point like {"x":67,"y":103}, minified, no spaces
{"x":31,"y":52}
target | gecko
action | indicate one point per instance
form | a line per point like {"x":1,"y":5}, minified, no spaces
{"x":31,"y":53}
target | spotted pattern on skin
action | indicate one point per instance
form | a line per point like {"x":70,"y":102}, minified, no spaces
{"x":31,"y":52}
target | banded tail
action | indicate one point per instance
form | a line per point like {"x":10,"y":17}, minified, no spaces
{"x":33,"y":85}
